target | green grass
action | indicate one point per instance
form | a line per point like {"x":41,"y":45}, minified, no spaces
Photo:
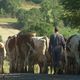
{"x":36,"y":68}
{"x":6,"y":66}
{"x":6,"y":20}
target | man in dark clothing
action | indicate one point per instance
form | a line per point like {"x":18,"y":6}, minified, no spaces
{"x":56,"y":47}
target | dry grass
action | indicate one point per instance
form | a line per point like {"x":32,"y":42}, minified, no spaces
{"x":5,"y":20}
{"x":29,"y":5}
{"x":5,"y":32}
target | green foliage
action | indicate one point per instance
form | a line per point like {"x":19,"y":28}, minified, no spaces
{"x":0,"y":38}
{"x":67,"y":31}
{"x":34,"y":22}
{"x":52,"y":11}
{"x":71,"y":5}
{"x":36,"y":1}
{"x":41,"y":29}
{"x":72,"y":12}
{"x":10,"y":6}
{"x":20,"y":15}
{"x":47,"y":9}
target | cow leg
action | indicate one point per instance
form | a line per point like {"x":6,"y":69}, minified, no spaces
{"x":12,"y":67}
{"x":51,"y":68}
{"x":40,"y":68}
{"x":1,"y":68}
{"x":1,"y":64}
{"x":43,"y":68}
{"x":31,"y":68}
{"x":21,"y":66}
{"x":43,"y":65}
{"x":25,"y":68}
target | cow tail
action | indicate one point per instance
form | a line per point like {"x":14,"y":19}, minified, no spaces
{"x":16,"y":51}
{"x":66,"y":60}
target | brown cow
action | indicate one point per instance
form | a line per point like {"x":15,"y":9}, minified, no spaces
{"x":17,"y":51}
{"x":12,"y":52}
{"x":23,"y":48}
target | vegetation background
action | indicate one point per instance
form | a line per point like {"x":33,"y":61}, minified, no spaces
{"x":42,"y":16}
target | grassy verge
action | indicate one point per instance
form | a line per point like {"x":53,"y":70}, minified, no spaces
{"x":6,"y":20}
{"x":36,"y":68}
{"x":6,"y":66}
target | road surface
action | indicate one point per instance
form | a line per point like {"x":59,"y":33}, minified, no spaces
{"x":28,"y":76}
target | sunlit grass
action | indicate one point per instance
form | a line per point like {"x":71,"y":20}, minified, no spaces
{"x":29,"y":5}
{"x":36,"y":68}
{"x":6,"y":66}
{"x":6,"y":20}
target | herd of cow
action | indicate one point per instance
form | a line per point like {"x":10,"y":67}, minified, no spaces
{"x":25,"y":50}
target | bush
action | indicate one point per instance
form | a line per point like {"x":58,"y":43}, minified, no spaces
{"x":37,"y":1}
{"x":67,"y":31}
{"x":41,"y":29}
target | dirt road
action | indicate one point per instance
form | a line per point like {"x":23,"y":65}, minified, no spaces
{"x":6,"y":29}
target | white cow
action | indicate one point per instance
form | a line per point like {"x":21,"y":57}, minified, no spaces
{"x":40,"y":52}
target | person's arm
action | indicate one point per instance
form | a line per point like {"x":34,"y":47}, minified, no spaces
{"x":50,"y":45}
{"x":63,"y":43}
{"x":64,"y":49}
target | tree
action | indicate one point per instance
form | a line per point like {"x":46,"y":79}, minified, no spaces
{"x":33,"y":21}
{"x":10,"y":6}
{"x":72,"y":12}
{"x":52,"y":11}
{"x":20,"y":17}
{"x":71,"y":5}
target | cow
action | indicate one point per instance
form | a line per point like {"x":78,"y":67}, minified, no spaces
{"x":73,"y":54}
{"x":34,"y":50}
{"x":40,"y":53}
{"x":11,"y":52}
{"x":23,"y":41}
{"x":17,"y":51}
{"x":2,"y":56}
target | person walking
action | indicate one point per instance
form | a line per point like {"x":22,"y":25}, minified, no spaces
{"x":56,"y":46}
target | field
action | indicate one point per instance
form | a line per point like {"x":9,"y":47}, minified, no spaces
{"x":8,"y":20}
{"x":29,"y":5}
{"x":6,"y":27}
